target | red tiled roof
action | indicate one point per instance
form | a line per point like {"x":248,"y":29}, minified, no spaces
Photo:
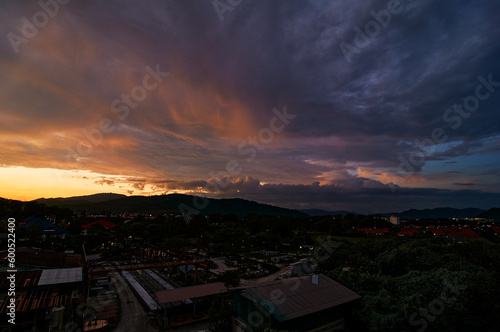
{"x":374,"y":230}
{"x":465,"y":233}
{"x":407,"y":232}
{"x":105,"y":223}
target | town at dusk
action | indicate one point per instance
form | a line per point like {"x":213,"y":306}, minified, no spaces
{"x":177,"y":164}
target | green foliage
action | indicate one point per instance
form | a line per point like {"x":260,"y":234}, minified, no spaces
{"x":403,"y":281}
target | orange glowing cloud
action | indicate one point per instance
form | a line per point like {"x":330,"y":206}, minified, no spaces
{"x":386,"y":177}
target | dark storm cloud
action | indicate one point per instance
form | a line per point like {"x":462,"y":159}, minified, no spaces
{"x":353,"y":194}
{"x":354,"y":118}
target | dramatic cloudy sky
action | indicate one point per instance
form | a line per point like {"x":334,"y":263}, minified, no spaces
{"x":283,"y":102}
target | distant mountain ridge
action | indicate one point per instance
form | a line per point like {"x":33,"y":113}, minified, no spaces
{"x":319,"y":212}
{"x":116,"y":203}
{"x":493,"y":213}
{"x":65,"y":201}
{"x":444,"y":212}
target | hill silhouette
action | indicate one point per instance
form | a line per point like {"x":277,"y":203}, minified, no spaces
{"x":115,"y":203}
{"x":493,"y":213}
{"x":442,"y":212}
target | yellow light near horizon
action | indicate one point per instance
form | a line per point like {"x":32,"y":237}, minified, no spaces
{"x":22,"y":183}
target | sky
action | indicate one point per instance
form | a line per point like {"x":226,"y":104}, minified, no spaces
{"x":366,"y":106}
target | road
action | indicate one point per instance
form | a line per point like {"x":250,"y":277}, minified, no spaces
{"x":133,"y":317}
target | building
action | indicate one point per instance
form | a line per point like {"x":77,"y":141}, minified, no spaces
{"x":311,"y":303}
{"x":41,"y":297}
{"x":374,"y":231}
{"x":394,"y":220}
{"x":104,"y":223}
{"x":189,"y":297}
{"x":47,"y":229}
{"x":462,"y":234}
{"x":48,"y":287}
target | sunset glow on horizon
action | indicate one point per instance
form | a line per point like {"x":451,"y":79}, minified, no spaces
{"x":28,"y":184}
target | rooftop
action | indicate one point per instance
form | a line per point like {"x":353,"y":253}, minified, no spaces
{"x":40,"y":288}
{"x":46,"y":227}
{"x":179,"y":294}
{"x":60,"y":276}
{"x":104,"y":223}
{"x":300,"y":296}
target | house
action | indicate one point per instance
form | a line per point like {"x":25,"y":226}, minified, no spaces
{"x":105,"y":223}
{"x":437,"y":232}
{"x":374,"y":231}
{"x":47,"y":228}
{"x":311,"y":303}
{"x":462,"y":234}
{"x":190,"y":297}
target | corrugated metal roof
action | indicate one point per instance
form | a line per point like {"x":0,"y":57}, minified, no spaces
{"x":163,"y":283}
{"x":292,"y":298}
{"x":60,"y":276}
{"x":143,"y":294}
{"x":172,"y":295}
